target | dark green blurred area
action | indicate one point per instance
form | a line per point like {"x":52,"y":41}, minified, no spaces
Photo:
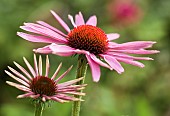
{"x":137,"y":92}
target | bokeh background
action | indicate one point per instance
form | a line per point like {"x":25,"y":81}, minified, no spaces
{"x":136,"y":92}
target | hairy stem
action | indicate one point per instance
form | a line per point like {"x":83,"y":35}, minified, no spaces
{"x":81,"y":72}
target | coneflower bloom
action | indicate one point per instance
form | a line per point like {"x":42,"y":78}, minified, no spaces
{"x":86,"y":38}
{"x":43,"y":88}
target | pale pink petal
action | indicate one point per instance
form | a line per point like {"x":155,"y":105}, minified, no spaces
{"x":95,"y":69}
{"x":95,"y":59}
{"x":17,"y":79}
{"x":72,"y":20}
{"x":43,"y":50}
{"x":61,"y":85}
{"x":40,"y":65}
{"x":25,"y":95}
{"x":18,"y":86}
{"x":58,"y":99}
{"x":63,"y":75}
{"x":112,"y":36}
{"x":66,"y":97}
{"x":127,"y":61}
{"x":74,"y":93}
{"x":24,"y":71}
{"x":36,"y":66}
{"x":113,"y":63}
{"x":62,"y":50}
{"x":35,"y":96}
{"x":136,"y":45}
{"x":57,"y":71}
{"x":92,"y":21}
{"x":47,"y":66}
{"x":29,"y":66}
{"x":19,"y":74}
{"x":52,"y":28}
{"x":79,"y":20}
{"x":65,"y":26}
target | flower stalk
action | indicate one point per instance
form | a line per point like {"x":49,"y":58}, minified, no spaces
{"x":39,"y":106}
{"x":81,"y":72}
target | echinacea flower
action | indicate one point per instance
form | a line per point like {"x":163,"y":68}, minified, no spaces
{"x":43,"y":88}
{"x":86,"y":38}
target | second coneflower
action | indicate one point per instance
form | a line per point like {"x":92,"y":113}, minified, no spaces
{"x":42,"y":88}
{"x":87,"y":39}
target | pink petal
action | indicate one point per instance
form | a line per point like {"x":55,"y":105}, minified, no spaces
{"x":18,"y":86}
{"x":79,"y":20}
{"x":52,"y":28}
{"x":36,"y":66}
{"x":112,"y":36}
{"x":57,"y":71}
{"x":136,"y":51}
{"x":47,"y":66}
{"x":39,"y":29}
{"x":95,"y":69}
{"x":95,"y":59}
{"x":16,"y":78}
{"x":127,"y":61}
{"x":25,"y":95}
{"x":122,"y":55}
{"x":62,"y":50}
{"x":29,"y":67}
{"x":37,"y":38}
{"x":92,"y":21}
{"x":65,"y":26}
{"x":72,"y":20}
{"x":43,"y":50}
{"x":63,"y":75}
{"x":113,"y":63}
{"x":136,"y":45}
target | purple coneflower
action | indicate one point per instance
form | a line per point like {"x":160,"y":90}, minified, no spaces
{"x":43,"y":88}
{"x":86,"y":38}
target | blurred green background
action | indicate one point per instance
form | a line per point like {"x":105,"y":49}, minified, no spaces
{"x":137,"y":92}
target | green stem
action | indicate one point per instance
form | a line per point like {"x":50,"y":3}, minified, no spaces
{"x":81,"y":72}
{"x":39,"y":106}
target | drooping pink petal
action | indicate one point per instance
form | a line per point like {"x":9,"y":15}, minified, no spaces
{"x":43,"y":50}
{"x":65,"y":26}
{"x":136,"y":45}
{"x":62,"y":50}
{"x":95,"y":59}
{"x":112,"y":36}
{"x":113,"y":63}
{"x":95,"y":69}
{"x":132,"y":62}
{"x":52,"y":28}
{"x":92,"y":21}
{"x":58,"y":99}
{"x":79,"y":20}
